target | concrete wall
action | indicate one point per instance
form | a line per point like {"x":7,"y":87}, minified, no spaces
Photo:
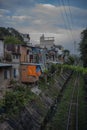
{"x":16,"y":67}
{"x":2,"y":78}
{"x":46,"y":43}
{"x":15,"y":59}
{"x":1,"y":48}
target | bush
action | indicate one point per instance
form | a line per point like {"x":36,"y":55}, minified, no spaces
{"x":53,"y":68}
{"x":13,"y":102}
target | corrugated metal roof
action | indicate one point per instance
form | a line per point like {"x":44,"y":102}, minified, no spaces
{"x":31,"y":64}
{"x":5,"y":65}
{"x":55,"y":62}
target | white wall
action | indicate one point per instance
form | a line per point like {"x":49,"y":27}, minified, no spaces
{"x":47,"y":43}
{"x":15,"y":60}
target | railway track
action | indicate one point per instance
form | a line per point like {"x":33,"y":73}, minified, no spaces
{"x":72,"y":120}
{"x":53,"y":108}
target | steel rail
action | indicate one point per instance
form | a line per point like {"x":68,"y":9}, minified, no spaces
{"x":76,"y":85}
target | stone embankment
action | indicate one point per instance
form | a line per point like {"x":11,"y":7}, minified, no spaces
{"x":34,"y":115}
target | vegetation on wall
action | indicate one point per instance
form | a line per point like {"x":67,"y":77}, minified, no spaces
{"x":79,"y":69}
{"x":83,"y":47}
{"x":16,"y":99}
{"x":66,"y":52}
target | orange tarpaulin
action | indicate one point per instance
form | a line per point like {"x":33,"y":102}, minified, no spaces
{"x":32,"y":70}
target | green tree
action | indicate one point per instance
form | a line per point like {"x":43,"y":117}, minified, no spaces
{"x":14,"y":101}
{"x":83,"y":47}
{"x":4,"y":32}
{"x":15,"y":33}
{"x":12,"y":40}
{"x":71,"y":60}
{"x":7,"y":32}
{"x":66,"y":52}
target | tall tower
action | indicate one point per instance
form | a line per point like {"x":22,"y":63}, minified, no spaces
{"x":47,"y":42}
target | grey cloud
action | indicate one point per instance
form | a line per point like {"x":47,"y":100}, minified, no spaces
{"x":14,"y":4}
{"x":45,"y":18}
{"x":21,"y":18}
{"x":4,"y":12}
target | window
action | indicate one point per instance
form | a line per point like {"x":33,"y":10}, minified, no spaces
{"x":6,"y":74}
{"x":17,"y":56}
{"x":13,"y":56}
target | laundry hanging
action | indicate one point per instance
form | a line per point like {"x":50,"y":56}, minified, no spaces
{"x":38,"y":71}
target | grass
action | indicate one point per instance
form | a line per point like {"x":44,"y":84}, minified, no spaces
{"x":82,"y":106}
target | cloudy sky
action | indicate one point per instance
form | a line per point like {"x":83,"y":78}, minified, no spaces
{"x":63,"y":19}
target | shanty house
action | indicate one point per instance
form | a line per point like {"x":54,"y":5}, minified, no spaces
{"x":30,"y":72}
{"x":24,"y":53}
{"x":16,"y":66}
{"x":5,"y":74}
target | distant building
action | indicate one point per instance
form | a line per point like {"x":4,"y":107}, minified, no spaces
{"x":26,"y":38}
{"x":46,"y":42}
{"x":37,"y":55}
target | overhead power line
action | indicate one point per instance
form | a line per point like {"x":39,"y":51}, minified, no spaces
{"x":71,"y":18}
{"x":62,"y":14}
{"x":64,"y":19}
{"x":70,"y":12}
{"x":68,"y":20}
{"x":69,"y":25}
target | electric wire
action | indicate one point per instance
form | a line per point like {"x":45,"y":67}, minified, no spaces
{"x":68,"y":20}
{"x":64,"y":19}
{"x":69,"y":25}
{"x":71,"y":18}
{"x":72,"y":23}
{"x":62,"y":14}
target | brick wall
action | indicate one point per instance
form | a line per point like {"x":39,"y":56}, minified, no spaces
{"x":23,"y":51}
